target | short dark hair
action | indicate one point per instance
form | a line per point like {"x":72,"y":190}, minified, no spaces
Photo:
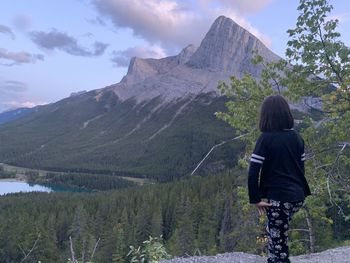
{"x":275,"y":114}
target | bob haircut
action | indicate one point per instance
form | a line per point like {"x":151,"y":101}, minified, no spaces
{"x":275,"y":115}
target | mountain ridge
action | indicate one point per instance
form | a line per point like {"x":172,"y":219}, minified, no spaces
{"x":14,"y":114}
{"x":158,"y":121}
{"x":227,"y":49}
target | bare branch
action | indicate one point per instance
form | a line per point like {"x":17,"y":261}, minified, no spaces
{"x":95,"y":247}
{"x":273,"y":78}
{"x":299,"y":229}
{"x":311,"y":229}
{"x":215,"y":146}
{"x":30,"y":251}
{"x":22,"y":250}
{"x":72,"y":250}
{"x":301,"y":239}
{"x":330,"y":175}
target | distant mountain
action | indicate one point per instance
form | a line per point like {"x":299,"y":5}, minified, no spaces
{"x":226,"y":50}
{"x":12,"y":115}
{"x":158,"y":121}
{"x":77,"y":93}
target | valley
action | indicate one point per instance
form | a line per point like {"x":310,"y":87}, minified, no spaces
{"x":126,"y":152}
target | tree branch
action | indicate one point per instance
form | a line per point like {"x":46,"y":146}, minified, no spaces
{"x":215,"y":146}
{"x":299,"y":229}
{"x":326,"y":51}
{"x":30,"y":251}
{"x":95,"y":247}
{"x":72,"y":250}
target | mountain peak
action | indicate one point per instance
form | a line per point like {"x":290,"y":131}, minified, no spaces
{"x":222,"y":19}
{"x":226,"y":50}
{"x":228,"y":47}
{"x":186,"y":54}
{"x":143,"y":68}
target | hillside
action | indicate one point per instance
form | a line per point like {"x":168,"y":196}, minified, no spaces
{"x":157,"y":122}
{"x":12,"y":115}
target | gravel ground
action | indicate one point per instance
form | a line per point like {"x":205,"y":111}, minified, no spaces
{"x":337,"y":255}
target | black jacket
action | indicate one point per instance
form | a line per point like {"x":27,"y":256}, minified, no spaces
{"x":278,"y":158}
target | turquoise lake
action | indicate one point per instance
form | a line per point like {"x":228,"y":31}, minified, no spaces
{"x":17,"y":187}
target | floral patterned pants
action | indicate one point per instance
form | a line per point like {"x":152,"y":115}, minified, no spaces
{"x":278,"y":218}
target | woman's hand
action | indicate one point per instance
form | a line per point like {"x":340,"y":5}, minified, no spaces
{"x":262,"y":207}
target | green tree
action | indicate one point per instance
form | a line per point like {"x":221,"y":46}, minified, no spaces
{"x":152,"y":251}
{"x":314,"y":75}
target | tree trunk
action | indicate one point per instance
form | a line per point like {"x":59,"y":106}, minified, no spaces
{"x":72,"y":249}
{"x":311,"y":230}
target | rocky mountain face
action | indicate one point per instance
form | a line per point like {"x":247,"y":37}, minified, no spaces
{"x":226,"y":50}
{"x":158,"y":121}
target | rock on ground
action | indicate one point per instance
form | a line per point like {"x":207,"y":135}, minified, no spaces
{"x":337,"y":255}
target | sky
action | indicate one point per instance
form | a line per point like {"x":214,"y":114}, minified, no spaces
{"x":50,"y":49}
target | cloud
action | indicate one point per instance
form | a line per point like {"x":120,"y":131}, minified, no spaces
{"x":15,"y":58}
{"x":13,"y":86}
{"x":21,"y":104}
{"x":154,"y":20}
{"x":11,"y":90}
{"x":23,"y":22}
{"x":122,"y":58}
{"x":61,"y":41}
{"x":13,"y":94}
{"x":175,"y":24}
{"x":241,"y":6}
{"x":99,"y":48}
{"x":97,"y":21}
{"x":7,"y":31}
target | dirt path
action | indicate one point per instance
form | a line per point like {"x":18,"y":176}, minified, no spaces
{"x":336,"y":255}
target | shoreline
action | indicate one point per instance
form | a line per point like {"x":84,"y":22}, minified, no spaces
{"x":12,"y":180}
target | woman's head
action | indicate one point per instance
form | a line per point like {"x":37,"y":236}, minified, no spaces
{"x":275,"y":114}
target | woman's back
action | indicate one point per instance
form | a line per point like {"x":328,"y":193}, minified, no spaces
{"x":276,"y":172}
{"x":282,"y":172}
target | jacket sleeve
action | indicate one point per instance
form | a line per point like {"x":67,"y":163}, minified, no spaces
{"x":256,"y":162}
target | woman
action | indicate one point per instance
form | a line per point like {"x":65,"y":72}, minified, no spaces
{"x":278,"y":159}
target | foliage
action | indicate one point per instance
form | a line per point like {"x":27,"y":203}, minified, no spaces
{"x":246,"y":95}
{"x":207,"y":214}
{"x":124,"y":217}
{"x":85,"y":181}
{"x":152,"y":251}
{"x":315,"y":77}
{"x":78,"y":135}
{"x":317,"y":51}
{"x":5,"y":174}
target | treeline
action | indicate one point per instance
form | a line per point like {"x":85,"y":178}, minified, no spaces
{"x":199,"y":215}
{"x":85,"y":181}
{"x":53,"y":138}
{"x":5,"y":174}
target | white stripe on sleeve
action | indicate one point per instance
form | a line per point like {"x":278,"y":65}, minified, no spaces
{"x":255,"y":160}
{"x":258,"y":157}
